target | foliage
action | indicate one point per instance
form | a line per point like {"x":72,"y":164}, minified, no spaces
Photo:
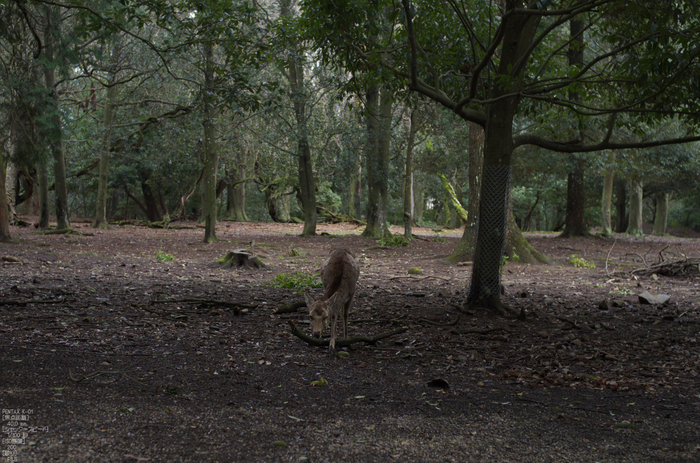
{"x":164,"y":256}
{"x":296,"y":280}
{"x":579,"y":261}
{"x":394,"y":240}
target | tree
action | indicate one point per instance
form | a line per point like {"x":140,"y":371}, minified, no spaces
{"x":377,"y":155}
{"x":295,"y":76}
{"x":511,"y":62}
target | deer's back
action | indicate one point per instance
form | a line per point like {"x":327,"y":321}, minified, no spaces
{"x":339,"y":274}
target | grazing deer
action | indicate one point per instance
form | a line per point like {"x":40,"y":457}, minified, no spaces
{"x":339,"y":275}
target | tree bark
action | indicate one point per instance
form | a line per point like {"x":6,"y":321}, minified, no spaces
{"x":151,"y":206}
{"x":661,"y":219}
{"x":103,"y":176}
{"x":636,"y":208}
{"x":621,"y":206}
{"x":606,"y":202}
{"x":467,"y":244}
{"x":485,"y":288}
{"x":43,"y":177}
{"x":378,"y":154}
{"x":408,"y":200}
{"x":211,"y":153}
{"x":55,"y":130}
{"x":575,"y":221}
{"x":307,"y":182}
{"x":236,"y":188}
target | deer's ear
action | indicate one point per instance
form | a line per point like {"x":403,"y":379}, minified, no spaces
{"x":309,"y":301}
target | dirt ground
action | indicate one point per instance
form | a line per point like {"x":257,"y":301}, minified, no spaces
{"x":108,"y":354}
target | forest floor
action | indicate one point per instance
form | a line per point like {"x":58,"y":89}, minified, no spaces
{"x":109,"y":354}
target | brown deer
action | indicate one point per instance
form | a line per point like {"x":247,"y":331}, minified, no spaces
{"x":339,"y":275}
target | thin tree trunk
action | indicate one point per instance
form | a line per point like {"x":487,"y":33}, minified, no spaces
{"x":606,"y":202}
{"x":467,"y":244}
{"x":621,"y":206}
{"x":236,"y":188}
{"x":408,"y":200}
{"x":636,"y":209}
{"x":43,"y":177}
{"x":4,"y":199}
{"x":55,"y":131}
{"x":661,"y":219}
{"x":102,"y":183}
{"x":211,"y":153}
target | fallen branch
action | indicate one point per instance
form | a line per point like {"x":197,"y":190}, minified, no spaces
{"x":343,"y":342}
{"x":420,"y":278}
{"x":486,"y":331}
{"x":290,"y":308}
{"x":674,"y":267}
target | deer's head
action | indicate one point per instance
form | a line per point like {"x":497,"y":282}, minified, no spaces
{"x":319,"y":311}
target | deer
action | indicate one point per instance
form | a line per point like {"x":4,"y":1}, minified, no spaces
{"x":339,"y":275}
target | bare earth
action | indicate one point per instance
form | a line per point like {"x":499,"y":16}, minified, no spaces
{"x":111,"y":355}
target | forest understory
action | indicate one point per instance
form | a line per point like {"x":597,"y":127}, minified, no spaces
{"x":127,"y":344}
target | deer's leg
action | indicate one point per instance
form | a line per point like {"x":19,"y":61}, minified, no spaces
{"x":346,"y":312}
{"x":334,"y":327}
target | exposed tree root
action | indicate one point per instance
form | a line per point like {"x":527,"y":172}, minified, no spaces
{"x":343,"y":342}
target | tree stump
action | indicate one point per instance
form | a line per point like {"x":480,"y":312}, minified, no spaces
{"x":239,"y":258}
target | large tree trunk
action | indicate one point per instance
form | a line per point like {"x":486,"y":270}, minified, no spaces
{"x":606,"y":202}
{"x":634,"y":227}
{"x":151,"y":205}
{"x":661,"y":219}
{"x":103,"y":176}
{"x":408,"y":200}
{"x":211,"y":153}
{"x":485,"y":287}
{"x":55,"y":130}
{"x":378,"y":154}
{"x":575,"y":221}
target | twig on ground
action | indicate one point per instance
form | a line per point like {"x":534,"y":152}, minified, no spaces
{"x":608,"y":257}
